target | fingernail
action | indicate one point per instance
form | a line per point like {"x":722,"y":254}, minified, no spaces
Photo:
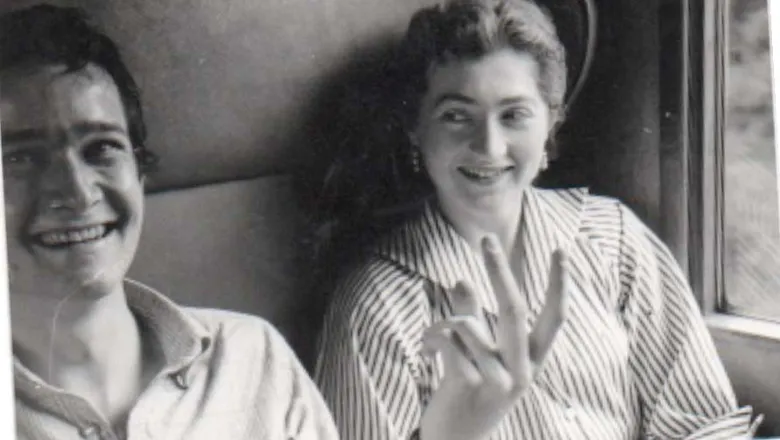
{"x":561,"y":256}
{"x":460,"y":289}
{"x":489,"y":243}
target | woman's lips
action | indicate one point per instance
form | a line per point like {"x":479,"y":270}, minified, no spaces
{"x":483,"y":173}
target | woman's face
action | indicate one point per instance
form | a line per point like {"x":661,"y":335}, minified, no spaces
{"x":482,"y":130}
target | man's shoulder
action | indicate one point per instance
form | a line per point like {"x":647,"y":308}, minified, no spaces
{"x":231,"y":330}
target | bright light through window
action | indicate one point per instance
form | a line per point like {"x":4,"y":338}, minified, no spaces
{"x":752,"y":230}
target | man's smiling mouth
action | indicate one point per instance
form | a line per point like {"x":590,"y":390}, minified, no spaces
{"x":68,"y":237}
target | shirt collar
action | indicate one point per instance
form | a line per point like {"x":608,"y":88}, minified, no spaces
{"x":430,"y":246}
{"x":181,"y":339}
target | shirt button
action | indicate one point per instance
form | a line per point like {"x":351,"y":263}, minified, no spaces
{"x":181,"y":380}
{"x":89,"y":432}
{"x":570,"y":414}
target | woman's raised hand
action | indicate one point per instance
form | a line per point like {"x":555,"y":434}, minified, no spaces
{"x":483,"y":376}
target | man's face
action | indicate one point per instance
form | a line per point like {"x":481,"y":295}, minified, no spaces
{"x":73,"y":194}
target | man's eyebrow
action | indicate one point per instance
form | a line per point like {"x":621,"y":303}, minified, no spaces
{"x":88,"y":127}
{"x":82,"y":128}
{"x":21,"y":136}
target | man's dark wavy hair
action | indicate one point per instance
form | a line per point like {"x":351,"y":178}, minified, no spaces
{"x":47,"y":35}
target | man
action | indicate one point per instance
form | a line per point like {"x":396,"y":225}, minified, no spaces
{"x":97,"y":355}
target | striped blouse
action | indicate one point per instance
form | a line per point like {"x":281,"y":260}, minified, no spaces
{"x":632,"y":360}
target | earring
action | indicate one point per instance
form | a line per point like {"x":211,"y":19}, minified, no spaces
{"x":545,"y":162}
{"x":415,"y":160}
{"x":56,"y":204}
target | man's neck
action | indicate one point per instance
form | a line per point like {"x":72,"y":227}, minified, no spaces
{"x":91,"y":347}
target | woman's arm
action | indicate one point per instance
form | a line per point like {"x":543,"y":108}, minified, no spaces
{"x":367,"y":366}
{"x":683,"y":386}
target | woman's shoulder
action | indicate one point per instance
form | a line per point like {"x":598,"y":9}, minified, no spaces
{"x":616,"y":227}
{"x":605,"y":222}
{"x":375,"y":286}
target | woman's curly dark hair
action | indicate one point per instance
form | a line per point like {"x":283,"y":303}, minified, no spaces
{"x":370,"y":186}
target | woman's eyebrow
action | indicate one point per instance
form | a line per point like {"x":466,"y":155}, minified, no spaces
{"x":515,"y":100}
{"x":457,"y":97}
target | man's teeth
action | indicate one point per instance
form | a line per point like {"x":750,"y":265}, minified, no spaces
{"x":482,"y":173}
{"x":73,"y":236}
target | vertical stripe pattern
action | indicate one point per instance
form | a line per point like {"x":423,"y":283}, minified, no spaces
{"x":632,"y":360}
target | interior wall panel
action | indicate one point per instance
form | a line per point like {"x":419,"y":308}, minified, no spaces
{"x":227,"y":85}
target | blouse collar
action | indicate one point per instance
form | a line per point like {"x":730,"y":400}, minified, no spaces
{"x":430,"y":246}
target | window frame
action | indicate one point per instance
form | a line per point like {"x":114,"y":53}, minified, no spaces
{"x":749,"y":347}
{"x":706,"y":173}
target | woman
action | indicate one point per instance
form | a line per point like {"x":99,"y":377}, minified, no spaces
{"x":554,"y":313}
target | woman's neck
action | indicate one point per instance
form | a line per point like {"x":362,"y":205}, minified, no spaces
{"x":474,"y":225}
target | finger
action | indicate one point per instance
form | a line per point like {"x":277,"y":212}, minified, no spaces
{"x":553,"y":315}
{"x":482,"y":350}
{"x":456,"y":359}
{"x":463,"y":300}
{"x":512,"y":333}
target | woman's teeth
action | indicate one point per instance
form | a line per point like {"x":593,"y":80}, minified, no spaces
{"x":73,"y":236}
{"x":482,"y":173}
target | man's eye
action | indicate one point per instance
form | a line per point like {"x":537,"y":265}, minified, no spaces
{"x":20,"y":159}
{"x":102,"y":149}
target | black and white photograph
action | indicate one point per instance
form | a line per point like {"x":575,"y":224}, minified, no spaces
{"x":389,"y":219}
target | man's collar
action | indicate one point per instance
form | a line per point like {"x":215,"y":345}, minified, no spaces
{"x":181,"y":338}
{"x":430,"y":246}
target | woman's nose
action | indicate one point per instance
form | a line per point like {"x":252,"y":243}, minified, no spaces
{"x":68,"y":183}
{"x":490,"y":140}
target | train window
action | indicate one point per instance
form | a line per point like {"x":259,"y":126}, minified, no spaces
{"x":751,"y":219}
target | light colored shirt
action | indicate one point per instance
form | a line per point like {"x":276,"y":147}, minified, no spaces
{"x":226,"y":376}
{"x":632,"y":360}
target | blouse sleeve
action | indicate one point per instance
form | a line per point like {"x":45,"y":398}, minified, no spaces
{"x":681,"y":382}
{"x":367,"y":366}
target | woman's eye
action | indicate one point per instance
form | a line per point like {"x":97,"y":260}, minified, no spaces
{"x":516,"y":115}
{"x":454,"y":117}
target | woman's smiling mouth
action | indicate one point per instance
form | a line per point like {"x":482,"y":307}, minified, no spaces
{"x":484,"y":173}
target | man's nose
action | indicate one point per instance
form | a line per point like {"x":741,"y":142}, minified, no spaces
{"x":68,"y":183}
